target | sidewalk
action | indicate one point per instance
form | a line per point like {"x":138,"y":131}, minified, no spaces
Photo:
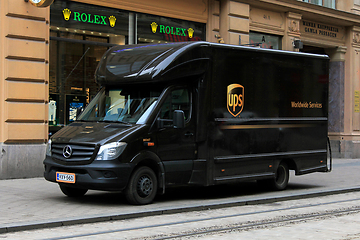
{"x":36,"y":203}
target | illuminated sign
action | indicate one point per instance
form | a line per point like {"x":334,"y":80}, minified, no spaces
{"x":235,"y":99}
{"x":88,"y":18}
{"x":172,"y":30}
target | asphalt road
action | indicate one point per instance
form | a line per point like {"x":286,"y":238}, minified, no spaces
{"x":35,"y":203}
{"x":327,"y":217}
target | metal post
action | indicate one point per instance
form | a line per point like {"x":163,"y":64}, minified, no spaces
{"x":132,"y":28}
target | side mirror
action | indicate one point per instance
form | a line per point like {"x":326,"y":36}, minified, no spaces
{"x":179,"y":119}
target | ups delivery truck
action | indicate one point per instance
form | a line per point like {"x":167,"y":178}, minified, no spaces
{"x":194,"y":113}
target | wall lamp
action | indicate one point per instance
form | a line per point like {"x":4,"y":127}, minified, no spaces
{"x":298,"y":44}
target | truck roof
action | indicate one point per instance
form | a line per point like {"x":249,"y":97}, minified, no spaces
{"x":160,"y":62}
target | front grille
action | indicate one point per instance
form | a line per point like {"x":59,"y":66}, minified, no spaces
{"x":80,"y":153}
{"x":68,"y":170}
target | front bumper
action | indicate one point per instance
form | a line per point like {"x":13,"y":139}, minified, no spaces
{"x":98,"y":175}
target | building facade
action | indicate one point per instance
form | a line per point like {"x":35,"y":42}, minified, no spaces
{"x":49,"y":54}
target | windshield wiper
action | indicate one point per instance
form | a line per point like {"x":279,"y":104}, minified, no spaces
{"x":113,"y":121}
{"x":78,"y":120}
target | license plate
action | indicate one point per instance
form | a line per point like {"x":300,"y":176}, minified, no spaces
{"x":65,"y":177}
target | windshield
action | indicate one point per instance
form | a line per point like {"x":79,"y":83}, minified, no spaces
{"x":129,"y":105}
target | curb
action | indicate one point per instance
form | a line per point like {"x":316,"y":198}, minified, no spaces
{"x":16,"y":227}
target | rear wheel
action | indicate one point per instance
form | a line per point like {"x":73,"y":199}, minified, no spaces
{"x":72,"y":192}
{"x":142,"y":186}
{"x":281,"y":179}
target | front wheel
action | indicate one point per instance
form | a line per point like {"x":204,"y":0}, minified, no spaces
{"x":72,"y":192}
{"x":142,"y":186}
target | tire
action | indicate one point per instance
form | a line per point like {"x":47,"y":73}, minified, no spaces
{"x":142,"y":186}
{"x":72,"y":192}
{"x":281,"y":179}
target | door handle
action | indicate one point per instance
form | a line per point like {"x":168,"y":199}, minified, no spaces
{"x":189,"y":134}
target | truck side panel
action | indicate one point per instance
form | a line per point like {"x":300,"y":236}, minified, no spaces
{"x":267,"y":107}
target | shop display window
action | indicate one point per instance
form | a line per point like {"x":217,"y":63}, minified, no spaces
{"x":72,"y":67}
{"x":79,"y":35}
{"x":325,"y":3}
{"x":264,"y":40}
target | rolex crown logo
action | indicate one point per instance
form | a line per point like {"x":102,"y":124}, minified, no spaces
{"x":191,"y":32}
{"x":112,"y":21}
{"x":66,"y":13}
{"x":154,"y":27}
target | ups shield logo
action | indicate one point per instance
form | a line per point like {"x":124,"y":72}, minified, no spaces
{"x":235,"y":99}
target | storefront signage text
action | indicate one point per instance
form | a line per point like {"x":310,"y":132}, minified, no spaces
{"x":320,"y":29}
{"x":172,"y":30}
{"x":89,"y":18}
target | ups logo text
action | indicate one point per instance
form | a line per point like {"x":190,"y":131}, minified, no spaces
{"x":235,"y":99}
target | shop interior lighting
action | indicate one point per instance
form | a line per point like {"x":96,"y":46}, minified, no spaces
{"x":151,"y":40}
{"x":63,"y":29}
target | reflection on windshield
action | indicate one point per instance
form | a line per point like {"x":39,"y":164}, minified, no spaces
{"x":121,"y":105}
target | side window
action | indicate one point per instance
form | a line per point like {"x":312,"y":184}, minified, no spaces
{"x":179,"y":99}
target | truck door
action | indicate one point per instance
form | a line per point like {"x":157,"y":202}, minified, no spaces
{"x":176,"y":147}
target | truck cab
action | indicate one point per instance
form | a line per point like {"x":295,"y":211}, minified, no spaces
{"x":140,"y":125}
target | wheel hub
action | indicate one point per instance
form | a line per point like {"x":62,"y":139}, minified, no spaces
{"x":145,"y":186}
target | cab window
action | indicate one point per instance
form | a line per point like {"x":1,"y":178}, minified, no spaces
{"x":178,"y":99}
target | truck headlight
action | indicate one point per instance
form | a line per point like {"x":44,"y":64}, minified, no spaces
{"x":48,"y":148}
{"x":110,"y":151}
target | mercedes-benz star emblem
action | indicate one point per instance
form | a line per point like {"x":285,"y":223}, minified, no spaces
{"x":67,"y":151}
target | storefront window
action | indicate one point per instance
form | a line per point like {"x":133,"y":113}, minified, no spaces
{"x":263,"y":40}
{"x":72,"y":81}
{"x":79,"y":35}
{"x":325,"y":3}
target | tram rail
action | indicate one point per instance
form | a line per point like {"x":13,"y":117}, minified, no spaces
{"x":241,"y":226}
